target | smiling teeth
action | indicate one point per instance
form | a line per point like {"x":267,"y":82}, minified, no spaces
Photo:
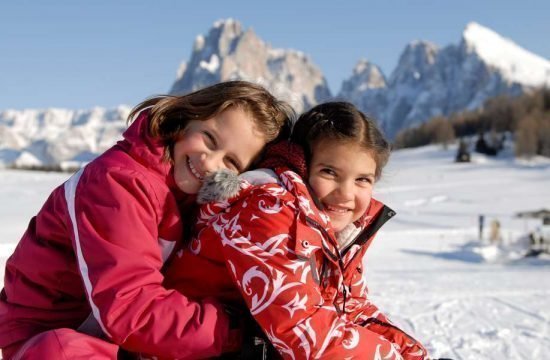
{"x":193,"y":170}
{"x":338,"y":210}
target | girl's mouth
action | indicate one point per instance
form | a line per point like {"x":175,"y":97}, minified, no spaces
{"x":336,"y":209}
{"x":194,"y":171}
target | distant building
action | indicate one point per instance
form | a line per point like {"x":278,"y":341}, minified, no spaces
{"x":540,"y":236}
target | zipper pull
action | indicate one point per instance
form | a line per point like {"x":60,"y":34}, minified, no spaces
{"x":344,"y":292}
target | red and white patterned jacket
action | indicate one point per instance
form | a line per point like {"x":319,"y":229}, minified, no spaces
{"x":272,"y":246}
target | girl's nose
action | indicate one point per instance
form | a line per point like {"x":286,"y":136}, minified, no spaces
{"x":345,"y":191}
{"x":212,"y":162}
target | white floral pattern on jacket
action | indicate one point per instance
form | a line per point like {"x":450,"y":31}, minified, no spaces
{"x":282,"y":255}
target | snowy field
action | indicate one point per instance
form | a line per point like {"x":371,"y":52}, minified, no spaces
{"x":464,"y":299}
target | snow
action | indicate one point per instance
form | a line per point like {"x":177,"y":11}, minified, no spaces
{"x":226,"y":22}
{"x":53,"y":136}
{"x":517,"y":64}
{"x":464,"y":299}
{"x":212,"y":65}
{"x":27,"y":159}
{"x":199,"y":43}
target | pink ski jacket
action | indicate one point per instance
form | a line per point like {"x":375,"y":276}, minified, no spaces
{"x":271,"y":246}
{"x":97,"y":247}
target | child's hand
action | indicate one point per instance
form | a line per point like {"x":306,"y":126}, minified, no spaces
{"x":235,"y":338}
{"x":254,"y":344}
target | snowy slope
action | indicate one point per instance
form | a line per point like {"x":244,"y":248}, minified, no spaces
{"x":465,"y":299}
{"x":426,"y":268}
{"x":516,"y":64}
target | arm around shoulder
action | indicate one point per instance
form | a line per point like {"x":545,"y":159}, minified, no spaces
{"x":115,"y":218}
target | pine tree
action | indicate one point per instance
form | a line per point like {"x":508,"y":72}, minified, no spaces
{"x":527,"y":137}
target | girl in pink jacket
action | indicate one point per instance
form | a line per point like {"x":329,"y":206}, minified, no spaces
{"x":294,"y":250}
{"x":91,"y":259}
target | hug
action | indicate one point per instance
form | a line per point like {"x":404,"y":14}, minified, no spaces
{"x":210,"y":218}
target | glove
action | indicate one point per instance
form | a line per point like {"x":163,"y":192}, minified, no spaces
{"x":255,"y":345}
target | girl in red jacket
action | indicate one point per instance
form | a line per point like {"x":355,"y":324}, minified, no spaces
{"x":295,"y":252}
{"x":99,"y":243}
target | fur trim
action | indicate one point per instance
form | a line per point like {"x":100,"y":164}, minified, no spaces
{"x":347,"y":235}
{"x":218,"y":186}
{"x":260,"y":177}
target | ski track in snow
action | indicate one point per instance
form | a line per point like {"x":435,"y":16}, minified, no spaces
{"x":426,"y":268}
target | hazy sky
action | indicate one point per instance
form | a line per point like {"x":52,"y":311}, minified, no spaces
{"x":77,"y":54}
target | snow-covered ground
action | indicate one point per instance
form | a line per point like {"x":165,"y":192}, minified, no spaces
{"x":463,"y":298}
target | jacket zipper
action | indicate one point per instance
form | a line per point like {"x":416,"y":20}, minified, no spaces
{"x":337,"y":258}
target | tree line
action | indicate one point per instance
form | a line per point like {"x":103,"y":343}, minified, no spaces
{"x":526,"y":117}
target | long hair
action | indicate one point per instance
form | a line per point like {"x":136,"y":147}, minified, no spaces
{"x":341,"y":121}
{"x":170,"y":114}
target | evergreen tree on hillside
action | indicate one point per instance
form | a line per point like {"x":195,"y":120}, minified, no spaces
{"x":443,"y":132}
{"x":526,"y":137}
{"x":526,"y":116}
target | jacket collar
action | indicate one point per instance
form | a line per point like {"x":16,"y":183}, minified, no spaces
{"x":375,"y":217}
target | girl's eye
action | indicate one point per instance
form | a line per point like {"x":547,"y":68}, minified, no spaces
{"x":234,"y":165}
{"x":365,"y":180}
{"x":211,"y":140}
{"x":328,"y":171}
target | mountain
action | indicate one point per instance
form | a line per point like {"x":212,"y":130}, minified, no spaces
{"x":62,"y":138}
{"x":58,"y":138}
{"x":429,"y":81}
{"x":228,"y":52}
{"x":366,"y":88}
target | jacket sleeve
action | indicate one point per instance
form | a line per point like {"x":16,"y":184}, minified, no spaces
{"x":114,"y":220}
{"x":279,"y":288}
{"x":369,"y":316}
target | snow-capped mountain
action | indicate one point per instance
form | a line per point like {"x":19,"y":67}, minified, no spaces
{"x":515,"y":63}
{"x":429,"y":81}
{"x":228,"y":52}
{"x":58,"y":137}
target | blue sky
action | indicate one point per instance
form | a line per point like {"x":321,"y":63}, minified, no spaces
{"x":77,"y":54}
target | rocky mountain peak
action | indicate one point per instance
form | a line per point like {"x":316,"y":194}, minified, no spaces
{"x":429,"y":81}
{"x":366,"y":76}
{"x":415,"y":61}
{"x":229,"y":52}
{"x":476,"y":36}
{"x":371,"y":74}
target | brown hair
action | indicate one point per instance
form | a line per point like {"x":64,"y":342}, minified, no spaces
{"x":344,"y":122}
{"x":169,"y":114}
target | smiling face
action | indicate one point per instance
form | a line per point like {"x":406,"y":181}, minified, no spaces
{"x":342,"y":176}
{"x":229,"y":140}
